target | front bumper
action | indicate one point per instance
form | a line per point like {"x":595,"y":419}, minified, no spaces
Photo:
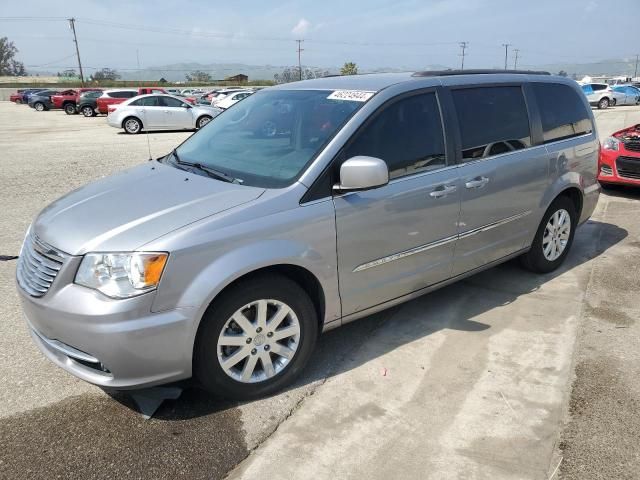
{"x":116,"y":344}
{"x":608,"y":167}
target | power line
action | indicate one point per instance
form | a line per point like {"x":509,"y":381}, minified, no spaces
{"x":515,"y":61}
{"x":463,"y":46}
{"x":72,"y":25}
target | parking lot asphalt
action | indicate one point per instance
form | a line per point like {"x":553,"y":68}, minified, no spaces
{"x":472,"y":381}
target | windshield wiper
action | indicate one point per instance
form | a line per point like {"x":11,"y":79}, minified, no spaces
{"x":211,"y":172}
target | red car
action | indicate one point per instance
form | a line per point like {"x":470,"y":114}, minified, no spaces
{"x":68,"y":99}
{"x":17,"y":97}
{"x":620,"y":158}
{"x":119,"y":95}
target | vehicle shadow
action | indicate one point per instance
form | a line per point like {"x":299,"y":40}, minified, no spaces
{"x":453,"y":307}
{"x":156,"y":132}
{"x":622,"y":191}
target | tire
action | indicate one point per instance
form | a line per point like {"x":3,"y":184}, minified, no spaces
{"x":276,"y":292}
{"x":70,"y":109}
{"x":603,"y":103}
{"x":88,"y":111}
{"x":132,"y":125}
{"x":542,"y":258}
{"x":19,"y":102}
{"x":39,"y":107}
{"x":202,"y":121}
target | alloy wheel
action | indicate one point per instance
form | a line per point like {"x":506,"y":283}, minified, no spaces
{"x":556,"y":235}
{"x":132,"y":125}
{"x":258,"y":341}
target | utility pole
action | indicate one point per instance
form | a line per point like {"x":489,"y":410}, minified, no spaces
{"x":506,"y":53}
{"x":635,"y":73}
{"x":138,"y":59}
{"x":515,"y":61}
{"x":72,"y":26}
{"x":300,"y":50}
{"x":463,"y":46}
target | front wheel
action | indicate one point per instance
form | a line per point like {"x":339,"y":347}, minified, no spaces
{"x":202,"y":121}
{"x":39,"y":106}
{"x":256,"y":338}
{"x":553,"y":238}
{"x":132,"y":125}
{"x":70,"y":109}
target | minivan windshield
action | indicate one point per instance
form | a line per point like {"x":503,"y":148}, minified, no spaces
{"x":268,"y":139}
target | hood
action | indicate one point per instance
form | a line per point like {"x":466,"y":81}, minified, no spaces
{"x":127,"y":210}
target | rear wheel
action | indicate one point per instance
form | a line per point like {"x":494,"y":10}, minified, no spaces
{"x":88,"y":111}
{"x":39,"y":106}
{"x":70,"y":109}
{"x":132,"y":125}
{"x":603,"y":103}
{"x":553,"y":238}
{"x":256,"y":338}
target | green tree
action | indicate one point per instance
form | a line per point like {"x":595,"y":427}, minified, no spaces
{"x":198,"y":76}
{"x":349,"y":68}
{"x":105,"y":74}
{"x":8,"y":64}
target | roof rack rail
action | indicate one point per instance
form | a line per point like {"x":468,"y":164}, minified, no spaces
{"x":444,"y":73}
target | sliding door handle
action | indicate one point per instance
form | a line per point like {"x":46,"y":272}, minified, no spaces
{"x":443,"y":191}
{"x":477,"y":182}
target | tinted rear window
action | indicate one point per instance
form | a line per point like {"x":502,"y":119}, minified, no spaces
{"x":597,"y":87}
{"x":562,"y":111}
{"x":493,"y":120}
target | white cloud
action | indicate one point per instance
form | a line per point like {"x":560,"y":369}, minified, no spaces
{"x":301,"y":28}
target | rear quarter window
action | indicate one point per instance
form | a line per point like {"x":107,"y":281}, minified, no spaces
{"x":562,"y":112}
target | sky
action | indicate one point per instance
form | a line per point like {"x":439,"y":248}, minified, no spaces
{"x":407,"y":34}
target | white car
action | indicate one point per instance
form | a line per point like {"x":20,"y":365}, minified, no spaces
{"x":159,"y":112}
{"x":232,"y":98}
{"x":191,"y":91}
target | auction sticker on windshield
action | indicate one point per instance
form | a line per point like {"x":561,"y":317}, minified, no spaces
{"x":351,"y":95}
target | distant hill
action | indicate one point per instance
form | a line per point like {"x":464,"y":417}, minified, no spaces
{"x":176,"y":72}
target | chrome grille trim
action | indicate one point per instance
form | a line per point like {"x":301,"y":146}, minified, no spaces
{"x":37,"y":266}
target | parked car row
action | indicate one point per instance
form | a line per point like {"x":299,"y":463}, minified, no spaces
{"x":602,"y":95}
{"x":132,"y":109}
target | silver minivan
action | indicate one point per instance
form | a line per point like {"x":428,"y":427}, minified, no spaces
{"x":301,"y":208}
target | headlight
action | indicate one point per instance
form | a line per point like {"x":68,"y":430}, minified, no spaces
{"x":611,"y":143}
{"x":121,"y":275}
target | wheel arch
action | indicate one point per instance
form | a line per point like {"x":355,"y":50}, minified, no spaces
{"x":201,"y":116}
{"x":298,"y":274}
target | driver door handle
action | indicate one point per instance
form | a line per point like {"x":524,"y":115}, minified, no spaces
{"x":477,"y":182}
{"x":443,"y":191}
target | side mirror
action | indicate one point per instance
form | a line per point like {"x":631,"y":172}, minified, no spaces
{"x":186,"y":105}
{"x":362,"y":173}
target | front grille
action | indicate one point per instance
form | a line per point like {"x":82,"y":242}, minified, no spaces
{"x":628,"y":167}
{"x":37,"y":267}
{"x":632,"y":145}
